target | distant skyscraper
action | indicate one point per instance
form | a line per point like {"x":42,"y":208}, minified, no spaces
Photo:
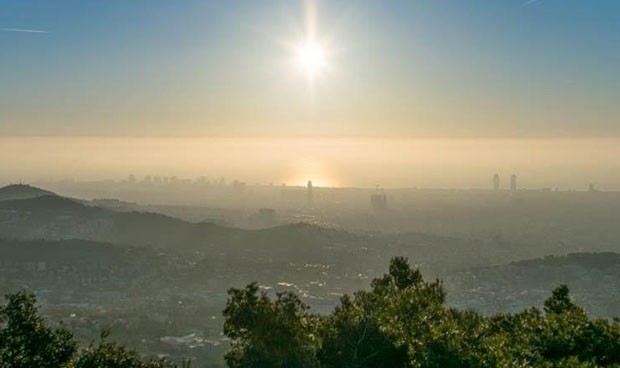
{"x":496,"y":182}
{"x":513,"y":183}
{"x":309,"y":194}
{"x":592,"y":188}
{"x":378,"y":200}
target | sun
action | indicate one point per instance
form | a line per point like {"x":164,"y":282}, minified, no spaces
{"x":310,"y":58}
{"x":314,"y":170}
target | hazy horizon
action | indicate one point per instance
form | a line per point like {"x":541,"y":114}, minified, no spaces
{"x":397,"y":94}
{"x":342,"y":162}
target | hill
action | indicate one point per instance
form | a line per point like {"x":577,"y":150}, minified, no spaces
{"x":58,"y":218}
{"x":22,"y":191}
{"x":592,"y":277}
{"x":55,"y":218}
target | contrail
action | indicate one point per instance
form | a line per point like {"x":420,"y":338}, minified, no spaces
{"x":22,"y":30}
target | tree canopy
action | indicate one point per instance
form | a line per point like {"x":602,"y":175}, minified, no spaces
{"x":27,"y":342}
{"x":402,"y":321}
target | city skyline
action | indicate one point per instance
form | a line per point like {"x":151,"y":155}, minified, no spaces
{"x":465,"y":163}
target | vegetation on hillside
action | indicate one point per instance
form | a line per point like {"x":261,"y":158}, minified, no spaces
{"x":402,"y":321}
{"x":27,"y":342}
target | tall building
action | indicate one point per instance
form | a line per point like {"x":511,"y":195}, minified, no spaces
{"x":378,"y":200}
{"x":496,"y":182}
{"x":592,"y":188}
{"x":309,"y":194}
{"x":513,"y":183}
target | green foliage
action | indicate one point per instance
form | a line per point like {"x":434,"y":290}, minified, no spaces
{"x":268,"y":333}
{"x":402,"y":321}
{"x":559,"y":302}
{"x":400,"y":277}
{"x":112,"y":355}
{"x":351,"y":336}
{"x":26,"y":342}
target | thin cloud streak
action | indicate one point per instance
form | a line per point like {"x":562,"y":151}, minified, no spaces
{"x":23,"y":30}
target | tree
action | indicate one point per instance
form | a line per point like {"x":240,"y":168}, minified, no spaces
{"x":266,"y":333}
{"x":400,"y":277}
{"x":415,"y":317}
{"x":352,"y":337}
{"x":112,"y":355}
{"x":403,"y":322}
{"x":25,"y":340}
{"x":356,"y":334}
{"x":559,"y":302}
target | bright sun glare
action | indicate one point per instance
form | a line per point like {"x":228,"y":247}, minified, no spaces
{"x":311,"y":58}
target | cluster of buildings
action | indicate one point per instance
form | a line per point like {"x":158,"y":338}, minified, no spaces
{"x":513,"y":182}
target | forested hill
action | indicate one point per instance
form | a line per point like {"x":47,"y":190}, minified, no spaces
{"x":54,"y":217}
{"x":22,"y":191}
{"x":57,"y":218}
{"x":594,"y":279}
{"x":401,"y":321}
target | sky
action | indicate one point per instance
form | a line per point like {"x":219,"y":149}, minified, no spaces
{"x":409,"y":92}
{"x":567,"y":164}
{"x":512,"y":68}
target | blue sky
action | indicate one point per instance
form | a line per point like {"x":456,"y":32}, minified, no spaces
{"x":512,"y":68}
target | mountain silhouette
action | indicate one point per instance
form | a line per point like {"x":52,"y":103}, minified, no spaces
{"x":22,"y":191}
